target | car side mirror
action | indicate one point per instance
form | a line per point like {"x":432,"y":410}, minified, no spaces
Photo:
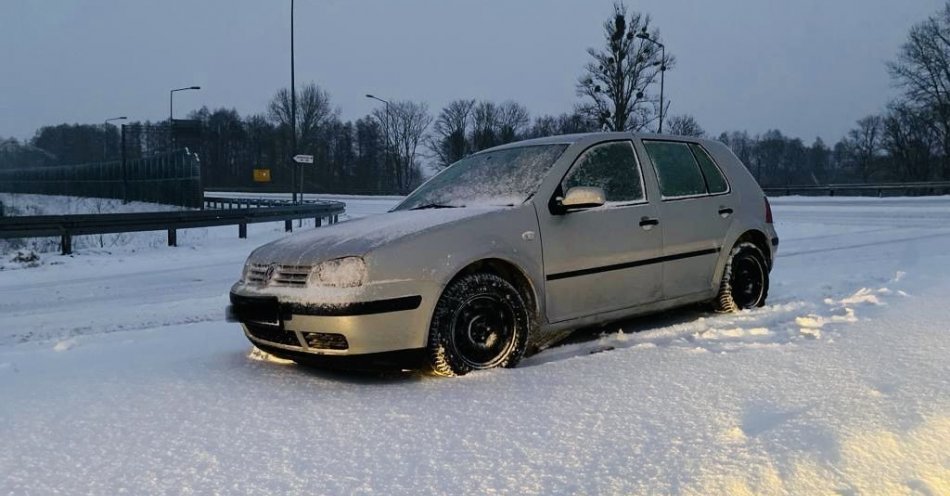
{"x":581,"y":197}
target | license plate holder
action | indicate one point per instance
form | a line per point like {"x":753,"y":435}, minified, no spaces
{"x":258,"y":309}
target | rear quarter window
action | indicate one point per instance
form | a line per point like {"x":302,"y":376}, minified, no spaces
{"x":714,"y":180}
{"x":676,"y":169}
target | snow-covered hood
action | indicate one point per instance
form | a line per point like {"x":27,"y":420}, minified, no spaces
{"x":360,"y":236}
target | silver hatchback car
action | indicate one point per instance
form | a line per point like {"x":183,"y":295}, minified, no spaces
{"x":507,"y":250}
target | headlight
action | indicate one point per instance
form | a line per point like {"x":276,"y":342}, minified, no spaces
{"x":348,"y":272}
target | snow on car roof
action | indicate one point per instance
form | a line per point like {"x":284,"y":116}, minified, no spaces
{"x":570,"y":139}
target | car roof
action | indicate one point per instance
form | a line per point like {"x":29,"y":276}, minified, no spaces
{"x":570,"y":139}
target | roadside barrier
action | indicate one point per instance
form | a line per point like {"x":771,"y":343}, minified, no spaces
{"x":231,"y":211}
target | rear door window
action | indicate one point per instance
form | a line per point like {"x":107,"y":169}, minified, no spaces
{"x":714,"y":180}
{"x":676,"y":169}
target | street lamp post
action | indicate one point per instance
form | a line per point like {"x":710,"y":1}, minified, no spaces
{"x":105,"y":127}
{"x":646,"y":37}
{"x":171,"y":101}
{"x":125,"y":165}
{"x":388,"y":149}
{"x":171,"y":110}
{"x":293,"y":117}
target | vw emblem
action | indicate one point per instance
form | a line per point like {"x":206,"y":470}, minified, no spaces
{"x":269,"y":274}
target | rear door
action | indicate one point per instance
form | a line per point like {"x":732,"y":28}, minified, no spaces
{"x":594,"y":258}
{"x":696,"y":210}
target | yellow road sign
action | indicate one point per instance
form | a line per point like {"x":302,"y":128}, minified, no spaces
{"x":261,"y":175}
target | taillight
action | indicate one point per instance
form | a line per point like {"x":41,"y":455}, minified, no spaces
{"x":768,"y":211}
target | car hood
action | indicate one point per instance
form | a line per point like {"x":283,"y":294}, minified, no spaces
{"x":360,"y":236}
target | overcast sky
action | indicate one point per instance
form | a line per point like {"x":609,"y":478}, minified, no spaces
{"x":807,"y":67}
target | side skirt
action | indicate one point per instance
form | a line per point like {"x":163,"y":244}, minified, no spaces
{"x":629,"y":312}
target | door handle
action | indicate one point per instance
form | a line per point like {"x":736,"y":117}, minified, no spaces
{"x":647,"y":223}
{"x":725,"y":212}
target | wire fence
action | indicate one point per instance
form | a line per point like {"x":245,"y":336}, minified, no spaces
{"x":925,"y":188}
{"x":169,"y":178}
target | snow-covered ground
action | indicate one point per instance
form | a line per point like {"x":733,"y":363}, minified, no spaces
{"x":26,"y":204}
{"x":119,"y":375}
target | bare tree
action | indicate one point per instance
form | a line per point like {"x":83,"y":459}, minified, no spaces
{"x":567,"y":123}
{"x":616,"y":82}
{"x":485,"y":123}
{"x":409,"y":123}
{"x":513,"y":120}
{"x":685,"y":125}
{"x":742,"y":145}
{"x":911,"y":144}
{"x":449,"y":139}
{"x":864,"y":144}
{"x":818,"y":161}
{"x":313,"y":112}
{"x":922,"y":69}
{"x":544,"y":125}
{"x":770,"y":148}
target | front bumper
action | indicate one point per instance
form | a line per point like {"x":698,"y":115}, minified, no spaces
{"x":379,"y":325}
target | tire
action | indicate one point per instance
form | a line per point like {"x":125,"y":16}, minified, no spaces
{"x":745,"y":280}
{"x":480,"y":322}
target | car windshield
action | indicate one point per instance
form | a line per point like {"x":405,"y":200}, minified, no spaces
{"x":503,"y":177}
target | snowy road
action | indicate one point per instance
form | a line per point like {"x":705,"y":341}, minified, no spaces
{"x":118,"y":375}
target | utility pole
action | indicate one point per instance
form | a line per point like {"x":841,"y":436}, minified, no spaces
{"x":646,"y":37}
{"x":171,"y":101}
{"x":171,"y":111}
{"x":293,"y":115}
{"x":389,"y":151}
{"x":125,"y":167}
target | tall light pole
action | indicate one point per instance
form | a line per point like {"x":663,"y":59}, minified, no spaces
{"x":646,"y":37}
{"x":388,"y":149}
{"x":293,"y":116}
{"x":105,"y":127}
{"x":171,"y":101}
{"x":171,"y":113}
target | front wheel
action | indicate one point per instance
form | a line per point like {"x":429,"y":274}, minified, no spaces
{"x":745,"y":279}
{"x":480,"y":322}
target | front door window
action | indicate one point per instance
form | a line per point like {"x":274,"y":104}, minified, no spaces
{"x":611,"y":167}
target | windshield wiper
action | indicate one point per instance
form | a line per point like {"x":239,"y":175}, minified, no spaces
{"x":435,"y":205}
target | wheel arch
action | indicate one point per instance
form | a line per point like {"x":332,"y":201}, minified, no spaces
{"x":760,"y":240}
{"x":508,"y":271}
{"x":752,"y":235}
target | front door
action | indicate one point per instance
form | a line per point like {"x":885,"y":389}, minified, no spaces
{"x":696,"y":210}
{"x":595,"y":259}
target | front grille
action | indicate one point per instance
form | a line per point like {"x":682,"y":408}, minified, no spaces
{"x":325,"y":341}
{"x":291,"y":275}
{"x":273,"y":334}
{"x":283,"y":275}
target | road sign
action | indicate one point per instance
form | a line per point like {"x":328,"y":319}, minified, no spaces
{"x":303,"y":159}
{"x":261,"y":175}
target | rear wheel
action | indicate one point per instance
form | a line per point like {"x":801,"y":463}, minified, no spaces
{"x":745,"y":280}
{"x":480,"y":322}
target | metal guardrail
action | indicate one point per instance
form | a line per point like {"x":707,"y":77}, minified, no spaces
{"x":67,"y":226}
{"x":225,"y":202}
{"x":932,"y":187}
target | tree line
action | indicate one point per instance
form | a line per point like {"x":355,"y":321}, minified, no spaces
{"x":395,"y":146}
